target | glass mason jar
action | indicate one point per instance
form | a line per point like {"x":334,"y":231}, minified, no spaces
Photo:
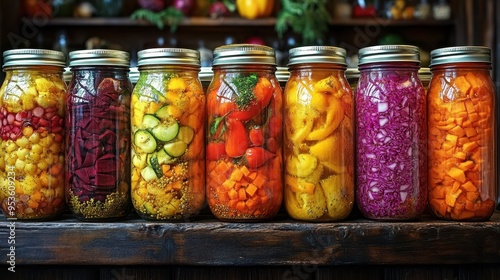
{"x":244,"y":137}
{"x":168,"y":110}
{"x":391,"y":132}
{"x":462,"y":144}
{"x":32,"y":100}
{"x":98,"y":138}
{"x":319,"y":139}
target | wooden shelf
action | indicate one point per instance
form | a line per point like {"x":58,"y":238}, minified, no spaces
{"x":237,"y":21}
{"x":206,"y":241}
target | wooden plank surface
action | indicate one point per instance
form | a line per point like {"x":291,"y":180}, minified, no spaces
{"x":206,"y":241}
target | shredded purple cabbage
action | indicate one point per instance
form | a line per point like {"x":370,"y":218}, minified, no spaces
{"x":391,"y":145}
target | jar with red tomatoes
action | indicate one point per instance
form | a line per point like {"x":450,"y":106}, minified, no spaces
{"x":244,"y":135}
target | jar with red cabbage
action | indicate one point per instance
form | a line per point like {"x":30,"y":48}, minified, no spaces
{"x":391,"y":132}
{"x":168,"y":135}
{"x":32,"y":100}
{"x":98,"y":135}
{"x":462,"y":134}
{"x":319,"y":138}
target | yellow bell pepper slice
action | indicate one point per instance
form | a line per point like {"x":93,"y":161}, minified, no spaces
{"x":339,"y":193}
{"x":334,"y":115}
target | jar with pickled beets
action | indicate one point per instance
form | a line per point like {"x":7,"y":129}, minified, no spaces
{"x":462,"y":144}
{"x":244,"y":134}
{"x":168,"y":135}
{"x":391,"y":134}
{"x":319,"y":139}
{"x":32,"y":100}
{"x":98,"y":135}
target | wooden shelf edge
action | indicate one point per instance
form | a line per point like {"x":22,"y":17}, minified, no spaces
{"x":206,"y":241}
{"x":237,"y":21}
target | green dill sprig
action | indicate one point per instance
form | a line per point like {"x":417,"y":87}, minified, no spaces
{"x":307,"y":17}
{"x":169,"y":16}
{"x":244,"y":87}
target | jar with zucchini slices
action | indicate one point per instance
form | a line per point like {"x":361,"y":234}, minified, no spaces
{"x":462,"y":141}
{"x":167,"y":112}
{"x":32,"y":100}
{"x":98,"y":137}
{"x":319,"y":138}
{"x":244,"y":137}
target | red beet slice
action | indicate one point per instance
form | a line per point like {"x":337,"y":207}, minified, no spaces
{"x":101,"y":131}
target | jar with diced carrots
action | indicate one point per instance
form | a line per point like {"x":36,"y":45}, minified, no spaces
{"x":461,"y":122}
{"x":319,"y":143}
{"x":168,"y":134}
{"x":244,"y":134}
{"x":32,"y":108}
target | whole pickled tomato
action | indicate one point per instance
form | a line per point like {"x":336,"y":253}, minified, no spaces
{"x":97,"y":121}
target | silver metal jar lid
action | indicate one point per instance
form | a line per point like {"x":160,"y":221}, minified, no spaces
{"x":244,"y":54}
{"x":99,"y":57}
{"x":317,"y":54}
{"x":389,"y":53}
{"x":171,"y":56}
{"x":33,"y":57}
{"x":460,"y":54}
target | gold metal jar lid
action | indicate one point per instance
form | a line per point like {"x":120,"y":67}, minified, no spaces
{"x":99,"y":57}
{"x":389,"y":53}
{"x":460,"y":54}
{"x":33,"y":57}
{"x":169,"y":56}
{"x":317,"y":54}
{"x":244,"y":54}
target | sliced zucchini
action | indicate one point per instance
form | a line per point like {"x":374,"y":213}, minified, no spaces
{"x":186,"y":134}
{"x":148,"y":173}
{"x":166,"y":132}
{"x":156,"y":166}
{"x":163,"y":113}
{"x":150,"y":121}
{"x":163,"y":157}
{"x":145,"y":141}
{"x":175,"y":149}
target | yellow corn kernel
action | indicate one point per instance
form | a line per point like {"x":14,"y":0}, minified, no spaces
{"x":11,"y":147}
{"x":20,"y":164}
{"x":30,"y":168}
{"x":34,"y":138}
{"x":27,"y":131}
{"x":36,"y":149}
{"x":42,"y":165}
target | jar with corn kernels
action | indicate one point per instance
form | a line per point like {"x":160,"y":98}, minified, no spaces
{"x":32,"y":99}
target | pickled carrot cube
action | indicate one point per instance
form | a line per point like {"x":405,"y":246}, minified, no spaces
{"x":469,"y":147}
{"x":228,"y":184}
{"x":461,"y":84}
{"x":251,"y":189}
{"x":458,"y":107}
{"x":452,"y":139}
{"x":466,"y":165}
{"x":242,"y":195}
{"x":245,"y":170}
{"x":457,"y":130}
{"x":468,"y":186}
{"x":460,"y":155}
{"x":236,"y":175}
{"x":457,"y":174}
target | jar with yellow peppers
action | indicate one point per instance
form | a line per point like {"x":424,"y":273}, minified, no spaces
{"x":244,"y":137}
{"x":462,"y":143}
{"x":98,"y":135}
{"x":319,"y":143}
{"x":167,"y":111}
{"x":32,"y":100}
